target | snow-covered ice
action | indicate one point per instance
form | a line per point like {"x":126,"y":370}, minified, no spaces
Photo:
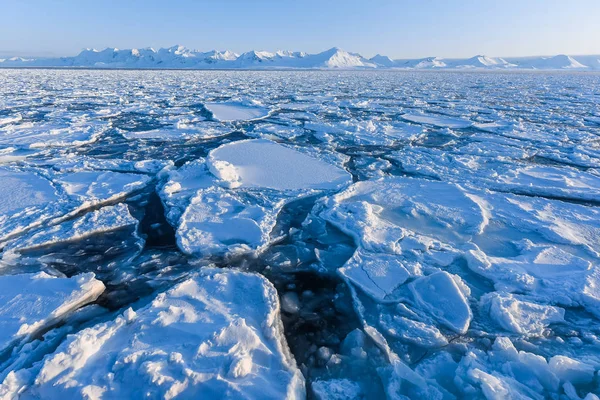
{"x":32,"y":303}
{"x":265,"y":164}
{"x":283,"y":234}
{"x":240,"y":189}
{"x":233,"y":111}
{"x":215,"y":334}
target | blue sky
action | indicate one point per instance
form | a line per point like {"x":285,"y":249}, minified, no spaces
{"x":398,"y":28}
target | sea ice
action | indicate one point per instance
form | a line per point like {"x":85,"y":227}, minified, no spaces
{"x":31,"y":303}
{"x":236,"y":111}
{"x":440,"y":295}
{"x":265,"y":164}
{"x":515,"y":314}
{"x":104,"y":220}
{"x":229,"y":204}
{"x":438,"y":120}
{"x":216,"y":334}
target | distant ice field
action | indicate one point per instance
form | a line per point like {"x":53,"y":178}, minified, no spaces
{"x":293,"y":234}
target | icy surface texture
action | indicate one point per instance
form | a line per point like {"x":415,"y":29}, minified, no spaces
{"x":217,"y":334}
{"x":403,"y":234}
{"x":241,"y":187}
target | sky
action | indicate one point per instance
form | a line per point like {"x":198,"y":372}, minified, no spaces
{"x":396,"y":28}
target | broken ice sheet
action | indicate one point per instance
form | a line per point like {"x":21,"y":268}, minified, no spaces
{"x":243,"y":185}
{"x":31,"y":197}
{"x":438,"y":120}
{"x":30,"y":135}
{"x":31,"y":303}
{"x":217,"y":333}
{"x":106,"y":219}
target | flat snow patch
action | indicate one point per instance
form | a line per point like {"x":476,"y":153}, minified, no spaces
{"x":235,"y":111}
{"x":265,"y":164}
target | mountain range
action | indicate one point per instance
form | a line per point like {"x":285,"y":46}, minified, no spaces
{"x":179,"y":57}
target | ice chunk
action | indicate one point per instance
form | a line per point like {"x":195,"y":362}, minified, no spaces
{"x":336,"y":389}
{"x":261,"y":163}
{"x":183,"y":131}
{"x":441,"y":296}
{"x":103,"y":220}
{"x":377,"y":274}
{"x":181,"y":185}
{"x":416,"y":332}
{"x":542,"y":271}
{"x":93,"y":187}
{"x":26,"y":199}
{"x":236,"y":111}
{"x":29,"y":199}
{"x":504,"y":371}
{"x":517,"y":315}
{"x":218,"y":333}
{"x":48,"y":135}
{"x":31,"y":303}
{"x":217,"y":222}
{"x":570,"y":370}
{"x":379,"y":213}
{"x":230,"y":203}
{"x":21,"y":190}
{"x":438,"y":120}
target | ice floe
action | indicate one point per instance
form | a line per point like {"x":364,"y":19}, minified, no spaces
{"x":32,"y":303}
{"x":216,"y":334}
{"x":229,"y":203}
{"x":438,"y":120}
{"x":95,"y":222}
{"x":236,"y":111}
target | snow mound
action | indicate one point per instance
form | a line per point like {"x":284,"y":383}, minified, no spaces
{"x":216,"y":334}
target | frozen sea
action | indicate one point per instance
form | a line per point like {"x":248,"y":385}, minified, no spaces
{"x":299,"y":234}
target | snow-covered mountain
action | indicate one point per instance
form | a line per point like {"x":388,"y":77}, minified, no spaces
{"x":180,"y":57}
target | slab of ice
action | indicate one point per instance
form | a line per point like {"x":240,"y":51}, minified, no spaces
{"x":236,"y":111}
{"x":216,"y":334}
{"x":31,"y":303}
{"x":181,"y":184}
{"x":504,"y":372}
{"x":376,"y":274}
{"x":217,"y":222}
{"x":229,"y":204}
{"x":515,"y":314}
{"x":443,"y":296}
{"x":336,"y":389}
{"x":21,"y":190}
{"x":183,"y":131}
{"x":265,"y":164}
{"x":380,"y":213}
{"x":438,"y":120}
{"x":26,"y":199}
{"x":42,"y":135}
{"x":494,"y":169}
{"x":96,"y":222}
{"x":553,"y":275}
{"x":30,"y":198}
{"x":94,"y":187}
{"x":411,"y":331}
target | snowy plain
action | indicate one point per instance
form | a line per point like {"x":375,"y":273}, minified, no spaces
{"x":299,"y":234}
